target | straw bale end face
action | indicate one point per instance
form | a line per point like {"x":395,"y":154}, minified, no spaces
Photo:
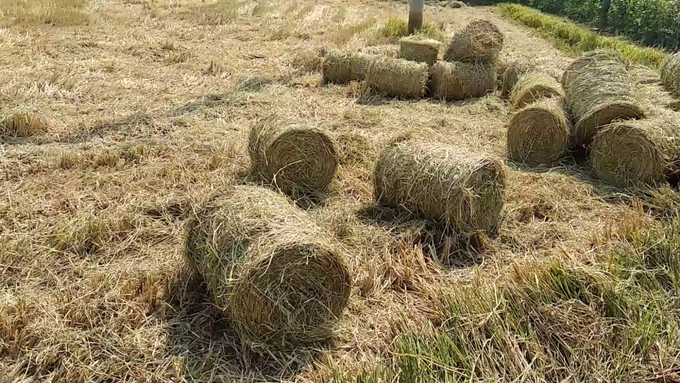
{"x":268,"y":267}
{"x":539,"y":133}
{"x":479,"y":41}
{"x":511,"y":75}
{"x":462,"y":190}
{"x":419,"y":49}
{"x":296,"y":159}
{"x":533,"y":87}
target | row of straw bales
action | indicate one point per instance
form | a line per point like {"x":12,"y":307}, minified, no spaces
{"x":597,"y":108}
{"x":280,"y":279}
{"x":467,"y":68}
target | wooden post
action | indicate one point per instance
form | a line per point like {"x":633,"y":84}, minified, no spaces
{"x":415,"y":15}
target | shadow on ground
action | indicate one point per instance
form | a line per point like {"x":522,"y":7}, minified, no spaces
{"x":208,"y":349}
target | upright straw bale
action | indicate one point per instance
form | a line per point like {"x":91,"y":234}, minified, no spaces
{"x":637,"y":152}
{"x":461,"y":189}
{"x":417,"y":48}
{"x":342,"y":67}
{"x":458,"y":81}
{"x":271,"y":271}
{"x":599,"y":90}
{"x":539,"y":133}
{"x":670,"y":73}
{"x":512,"y":73}
{"x":397,"y":78}
{"x":21,"y":121}
{"x":532,"y":87}
{"x":479,"y":41}
{"x":297,"y":159}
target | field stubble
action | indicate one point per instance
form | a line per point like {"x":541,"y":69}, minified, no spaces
{"x":148,"y":108}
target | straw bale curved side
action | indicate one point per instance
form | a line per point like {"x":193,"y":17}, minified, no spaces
{"x":270,"y":270}
{"x":463,"y":190}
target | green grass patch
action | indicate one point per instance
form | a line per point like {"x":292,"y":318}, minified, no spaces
{"x":552,"y":321}
{"x":48,"y":12}
{"x":574,"y":39}
{"x":396,"y":28}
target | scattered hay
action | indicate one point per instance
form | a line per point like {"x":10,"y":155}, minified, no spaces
{"x":636,"y":152}
{"x":342,"y":67}
{"x":309,"y":60}
{"x":539,"y":133}
{"x":268,"y":267}
{"x":296,"y":159}
{"x":463,"y":190}
{"x":416,"y":48}
{"x":21,"y":123}
{"x":397,"y":78}
{"x":479,"y":41}
{"x":532,"y":87}
{"x":670,"y":73}
{"x":599,"y":90}
{"x":458,"y":81}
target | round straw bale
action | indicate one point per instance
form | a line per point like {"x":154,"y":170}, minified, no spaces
{"x":539,"y":133}
{"x":599,"y":90}
{"x":462,"y":190}
{"x":296,"y":159}
{"x":512,"y":73}
{"x":670,"y":73}
{"x":479,"y":41}
{"x":416,"y":48}
{"x":270,"y":270}
{"x":458,"y":81}
{"x":635,"y":152}
{"x":397,"y":78}
{"x":341,"y":67}
{"x":532,"y":87}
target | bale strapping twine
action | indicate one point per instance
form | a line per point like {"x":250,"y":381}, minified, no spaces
{"x":539,"y":133}
{"x":670,"y":73}
{"x":416,"y":48}
{"x":270,"y":270}
{"x":479,"y":41}
{"x":459,"y":188}
{"x":599,"y":90}
{"x":636,"y":152}
{"x":397,"y":78}
{"x":295,"y":158}
{"x":512,"y":73}
{"x":342,"y":67}
{"x":532,"y":87}
{"x":458,"y":81}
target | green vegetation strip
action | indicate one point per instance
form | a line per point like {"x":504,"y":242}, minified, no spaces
{"x":575,"y":39}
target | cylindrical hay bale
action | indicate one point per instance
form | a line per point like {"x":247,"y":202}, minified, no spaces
{"x":268,"y":267}
{"x":532,"y":87}
{"x":539,"y":133}
{"x":419,"y":49}
{"x":343,"y":67}
{"x":511,"y":75}
{"x":479,"y":41}
{"x":458,"y":81}
{"x":296,"y":159}
{"x":397,"y":78}
{"x":636,"y":152}
{"x":463,"y":190}
{"x":670,"y":73}
{"x":599,"y":90}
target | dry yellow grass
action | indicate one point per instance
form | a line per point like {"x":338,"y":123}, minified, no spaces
{"x":93,"y":286}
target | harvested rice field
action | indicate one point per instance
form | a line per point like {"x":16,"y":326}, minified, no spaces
{"x":124,"y":120}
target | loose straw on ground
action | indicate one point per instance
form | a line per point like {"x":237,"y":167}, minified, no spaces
{"x":274,"y":274}
{"x":539,"y":133}
{"x":459,"y":188}
{"x":599,"y":90}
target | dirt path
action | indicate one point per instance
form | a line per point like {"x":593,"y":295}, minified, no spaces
{"x":148,"y":109}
